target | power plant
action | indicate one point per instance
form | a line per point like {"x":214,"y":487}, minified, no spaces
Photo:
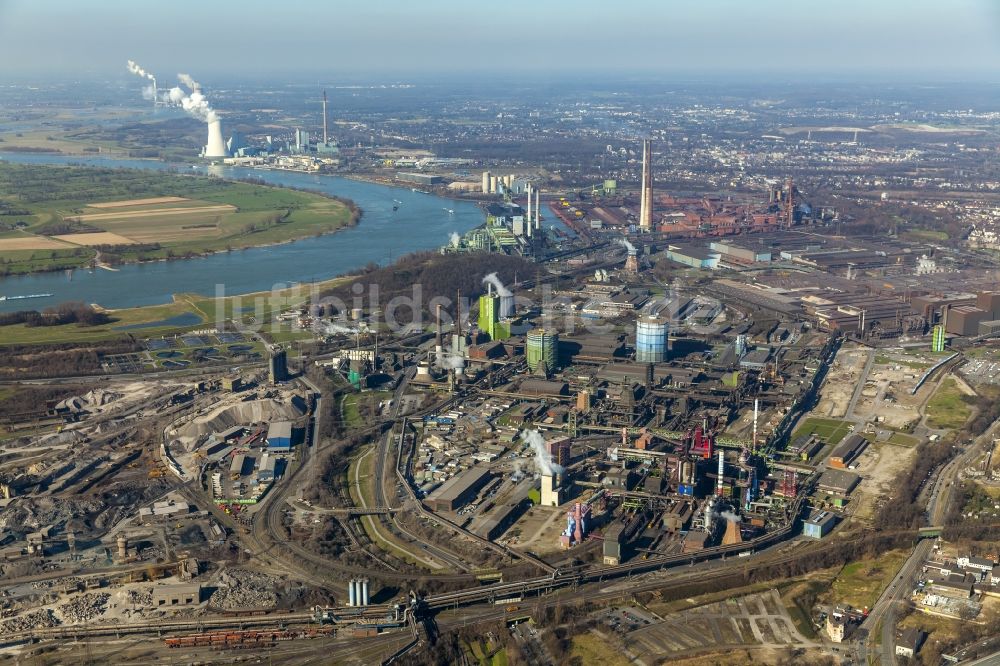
{"x":216,"y":145}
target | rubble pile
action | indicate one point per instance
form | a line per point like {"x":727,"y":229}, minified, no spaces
{"x":42,"y":619}
{"x":143,"y":597}
{"x":242,"y":588}
{"x":86,"y":607}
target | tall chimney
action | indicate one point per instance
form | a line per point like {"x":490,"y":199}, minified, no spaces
{"x":538,"y":220}
{"x":324,"y":117}
{"x":528,"y":220}
{"x":754,"y":442}
{"x":722,"y":470}
{"x":646,"y":194}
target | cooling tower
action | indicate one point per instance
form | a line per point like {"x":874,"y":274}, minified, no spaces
{"x":215,"y":147}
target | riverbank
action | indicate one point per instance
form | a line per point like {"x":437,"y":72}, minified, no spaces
{"x":186,"y":312}
{"x":60,"y":217}
{"x":420,"y":222}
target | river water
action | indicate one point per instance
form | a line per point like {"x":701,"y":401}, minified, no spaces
{"x":422,"y":222}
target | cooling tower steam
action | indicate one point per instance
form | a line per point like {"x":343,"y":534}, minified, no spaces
{"x":189,"y":82}
{"x":628,"y":246}
{"x":454,"y":239}
{"x":193,"y":101}
{"x":542,"y":458}
{"x":497,"y":284}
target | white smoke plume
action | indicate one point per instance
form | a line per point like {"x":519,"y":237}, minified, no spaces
{"x":497,"y":284}
{"x":189,"y":82}
{"x":449,"y":361}
{"x":139,"y":71}
{"x":628,"y":246}
{"x":332,"y":328}
{"x":454,"y":239}
{"x":542,"y":458}
{"x":730,"y":516}
{"x":148,"y":92}
{"x":194,"y":102}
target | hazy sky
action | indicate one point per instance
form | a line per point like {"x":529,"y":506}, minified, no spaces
{"x":932,"y":39}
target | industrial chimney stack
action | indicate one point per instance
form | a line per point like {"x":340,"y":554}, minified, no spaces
{"x":646,"y":194}
{"x":324,"y":118}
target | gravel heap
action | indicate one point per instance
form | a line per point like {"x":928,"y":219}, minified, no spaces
{"x":85,"y":607}
{"x":242,"y":588}
{"x":41,"y":619}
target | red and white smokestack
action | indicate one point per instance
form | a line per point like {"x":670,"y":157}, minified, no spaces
{"x":438,"y":345}
{"x":722,"y":472}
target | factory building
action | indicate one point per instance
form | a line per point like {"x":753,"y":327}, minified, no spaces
{"x":279,"y":437}
{"x":847,"y":450}
{"x":819,"y":524}
{"x":277,"y":367}
{"x":838,"y":483}
{"x":179,"y":594}
{"x":989,"y":302}
{"x":419,"y":178}
{"x":694,"y":256}
{"x":459,"y":490}
{"x":991,"y":327}
{"x":651,"y":340}
{"x":964,"y":320}
{"x":733,"y":252}
{"x":550,"y":494}
{"x":541,"y":349}
{"x":506,"y":513}
{"x":559,"y":449}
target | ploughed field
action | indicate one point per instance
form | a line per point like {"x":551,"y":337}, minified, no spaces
{"x":54,"y":216}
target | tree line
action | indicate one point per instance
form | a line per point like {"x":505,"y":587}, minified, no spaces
{"x":77,"y":313}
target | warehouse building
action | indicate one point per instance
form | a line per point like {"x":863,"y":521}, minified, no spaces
{"x":847,"y":451}
{"x":179,"y":594}
{"x":965,"y":319}
{"x":459,"y":490}
{"x":819,"y":524}
{"x":736,"y":253}
{"x":694,"y":256}
{"x":419,"y":178}
{"x":838,"y":483}
{"x":279,"y":436}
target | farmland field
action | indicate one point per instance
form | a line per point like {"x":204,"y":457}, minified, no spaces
{"x":131,"y":215}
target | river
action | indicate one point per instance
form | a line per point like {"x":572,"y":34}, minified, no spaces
{"x":383,"y":235}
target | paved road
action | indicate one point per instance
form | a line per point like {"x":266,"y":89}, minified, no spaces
{"x":939,"y":494}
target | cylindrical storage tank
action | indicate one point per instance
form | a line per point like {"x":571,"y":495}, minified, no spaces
{"x":542,"y":349}
{"x":650,"y":340}
{"x":352,"y":597}
{"x":493,"y":184}
{"x":364,"y":592}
